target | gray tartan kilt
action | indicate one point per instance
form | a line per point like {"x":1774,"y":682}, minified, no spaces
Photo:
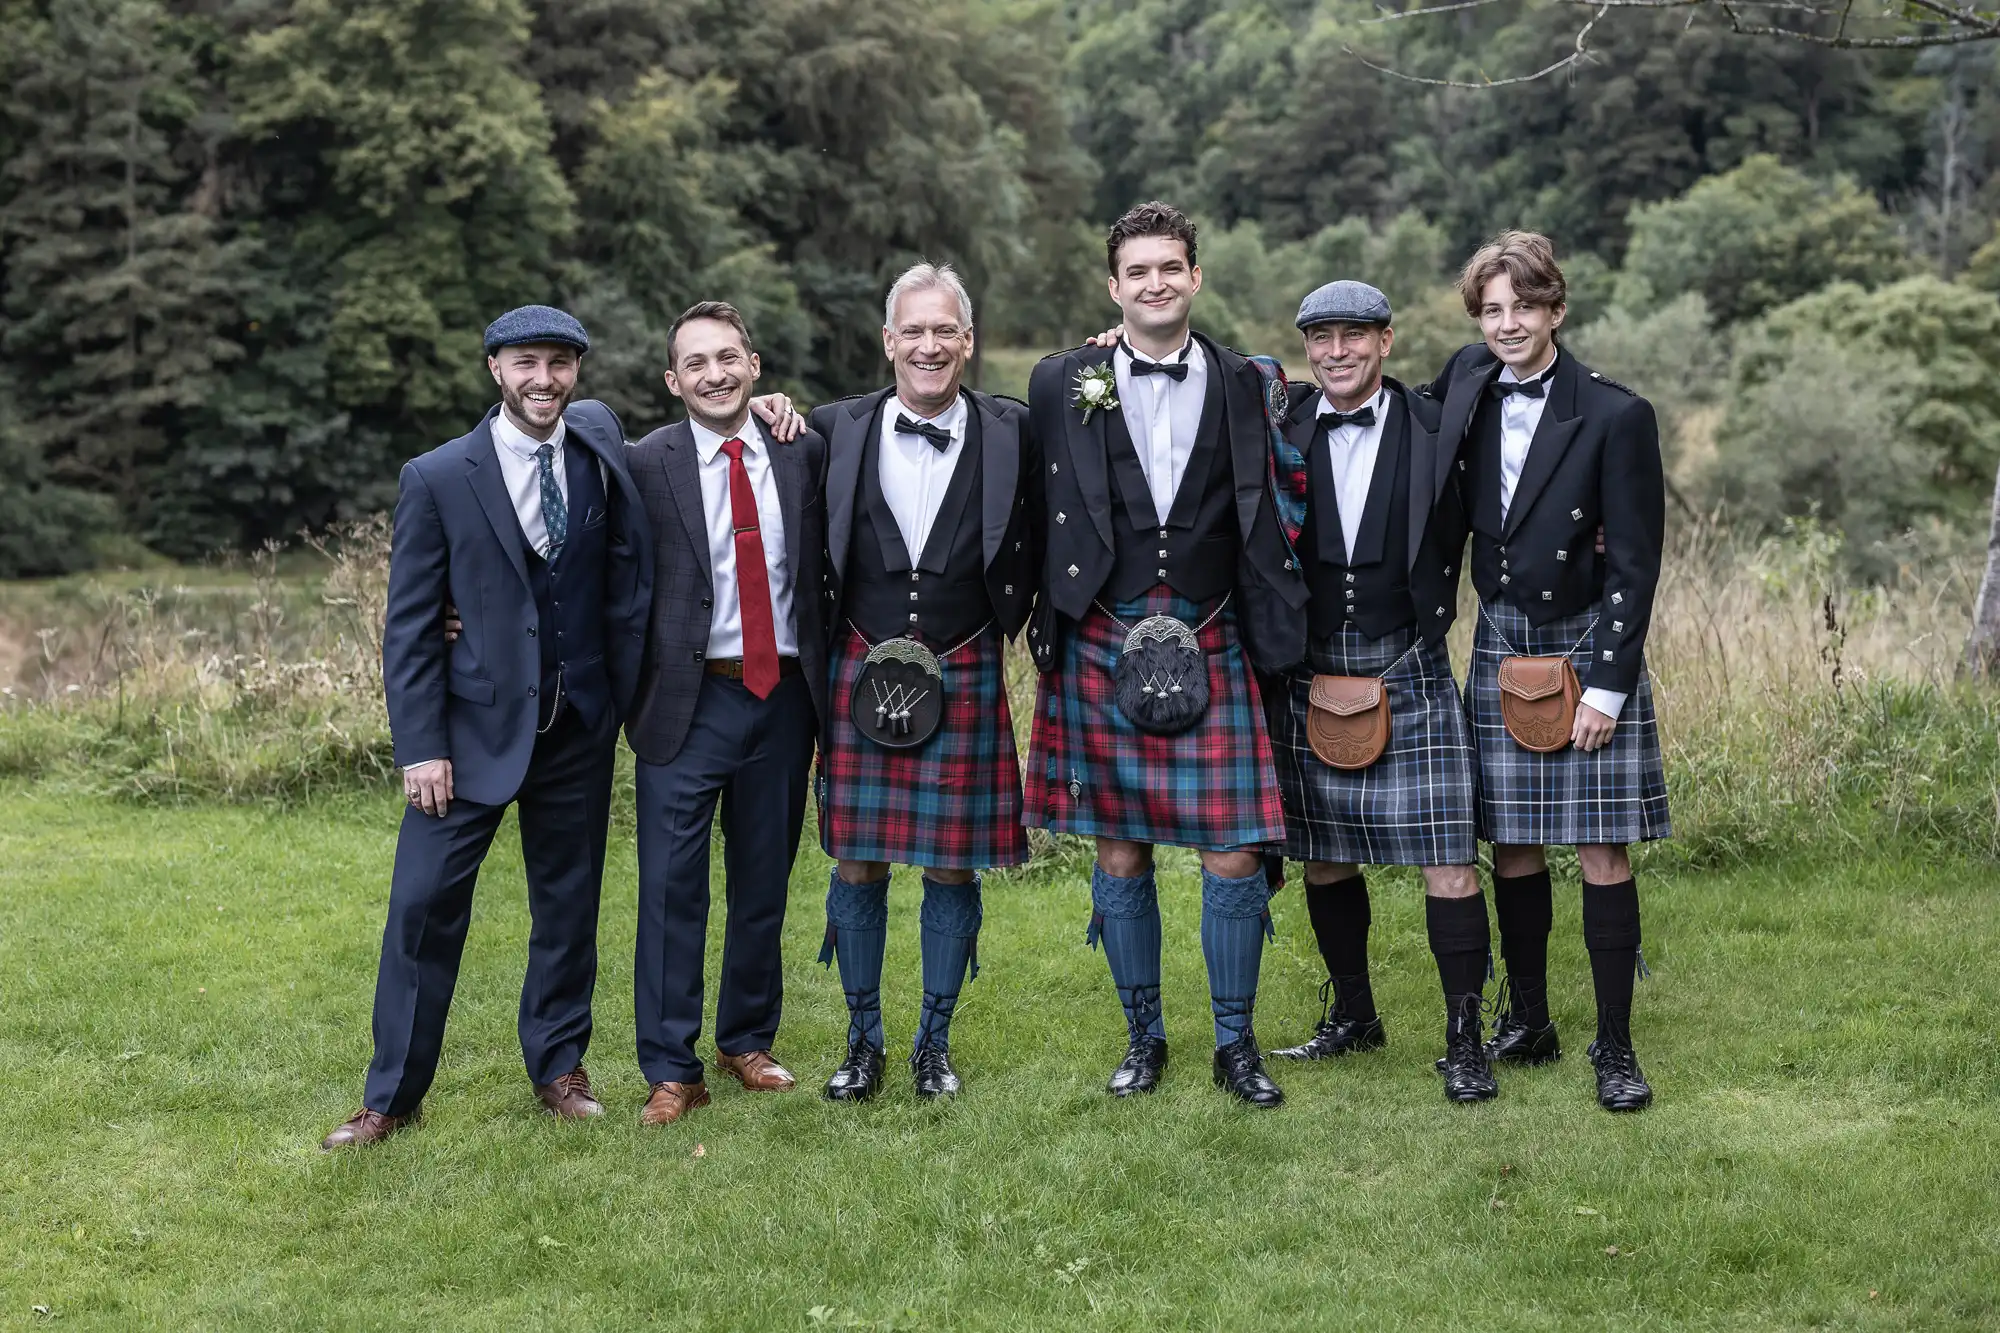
{"x":1617,"y":794}
{"x":1411,"y":807}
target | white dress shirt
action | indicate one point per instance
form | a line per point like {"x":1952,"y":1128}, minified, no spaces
{"x":1520,"y":415}
{"x":1163,"y":417}
{"x":915,"y":473}
{"x":1350,"y":453}
{"x":725,"y":622}
{"x":515,"y":449}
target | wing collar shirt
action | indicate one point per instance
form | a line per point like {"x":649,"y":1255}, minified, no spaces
{"x":1520,"y":415}
{"x":915,"y":473}
{"x":1350,"y":452}
{"x":515,"y":449}
{"x":1163,"y":416}
{"x":725,"y":624}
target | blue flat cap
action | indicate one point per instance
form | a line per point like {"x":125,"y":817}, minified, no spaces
{"x":535,"y":324}
{"x":1345,"y":302}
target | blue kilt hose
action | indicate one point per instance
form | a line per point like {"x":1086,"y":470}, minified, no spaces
{"x":1615,"y":795}
{"x":1091,"y":772}
{"x":953,"y":803}
{"x":1411,"y":807}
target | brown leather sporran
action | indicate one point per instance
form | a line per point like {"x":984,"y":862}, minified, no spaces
{"x":1538,"y":699}
{"x":1347,"y":720}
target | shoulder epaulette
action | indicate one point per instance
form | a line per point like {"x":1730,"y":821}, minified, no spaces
{"x":1004,"y":398}
{"x":1611,"y":383}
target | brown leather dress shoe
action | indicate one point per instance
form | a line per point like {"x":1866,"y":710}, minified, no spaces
{"x":569,"y":1097}
{"x":756,"y":1071}
{"x":366,"y":1127}
{"x":670,"y":1101}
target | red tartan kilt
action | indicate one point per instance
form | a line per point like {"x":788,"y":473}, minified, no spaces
{"x":952,"y":804}
{"x":1091,"y":772}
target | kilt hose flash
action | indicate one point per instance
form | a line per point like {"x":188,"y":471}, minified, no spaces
{"x":1092,"y":772}
{"x":1615,"y":795}
{"x":1411,"y":807}
{"x":953,"y":803}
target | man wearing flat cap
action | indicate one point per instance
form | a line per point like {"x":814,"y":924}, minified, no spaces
{"x":531,"y":527}
{"x":1372,"y":750}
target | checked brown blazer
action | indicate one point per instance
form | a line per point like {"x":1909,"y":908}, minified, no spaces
{"x":667,"y":471}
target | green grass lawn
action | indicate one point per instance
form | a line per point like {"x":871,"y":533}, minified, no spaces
{"x":186,"y":993}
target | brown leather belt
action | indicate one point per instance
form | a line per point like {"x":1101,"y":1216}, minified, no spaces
{"x":731,"y":668}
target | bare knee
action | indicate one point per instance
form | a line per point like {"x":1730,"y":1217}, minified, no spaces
{"x":1451,"y":881}
{"x":948,"y":876}
{"x":1511,"y":859}
{"x":1604,"y":863}
{"x":1115,"y":856}
{"x":1232,"y":865}
{"x":1330,"y":872}
{"x":863,"y":872}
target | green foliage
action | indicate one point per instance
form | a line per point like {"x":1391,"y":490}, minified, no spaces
{"x":1668,"y":353}
{"x":1757,"y":237}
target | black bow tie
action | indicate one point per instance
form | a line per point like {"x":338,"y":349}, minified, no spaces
{"x":1533,"y":388}
{"x":939,"y":437}
{"x":1360,"y":416}
{"x":1176,"y":371}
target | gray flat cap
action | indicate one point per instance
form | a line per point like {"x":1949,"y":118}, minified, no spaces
{"x":1345,"y":302}
{"x":535,"y":324}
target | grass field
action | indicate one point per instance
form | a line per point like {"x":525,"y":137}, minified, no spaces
{"x":186,"y":992}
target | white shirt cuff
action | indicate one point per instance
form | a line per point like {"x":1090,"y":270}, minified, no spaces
{"x":1607,"y":702}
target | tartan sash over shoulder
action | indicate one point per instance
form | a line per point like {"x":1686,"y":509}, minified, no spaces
{"x":1288,"y":462}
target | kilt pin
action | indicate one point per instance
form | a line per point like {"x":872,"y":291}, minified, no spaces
{"x":955,"y":801}
{"x":1616,"y":794}
{"x":1411,"y":807}
{"x":1092,"y":773}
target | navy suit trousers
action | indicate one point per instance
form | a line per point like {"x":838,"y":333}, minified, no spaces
{"x":565,"y":803}
{"x":754,"y":756}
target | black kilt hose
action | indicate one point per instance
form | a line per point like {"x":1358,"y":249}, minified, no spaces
{"x":1411,"y":807}
{"x":1614,"y":795}
{"x":953,"y":803}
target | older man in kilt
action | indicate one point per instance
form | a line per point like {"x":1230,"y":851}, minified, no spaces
{"x":934,"y":543}
{"x":1168,"y":577}
{"x":1554,"y":454}
{"x":1380,"y":536}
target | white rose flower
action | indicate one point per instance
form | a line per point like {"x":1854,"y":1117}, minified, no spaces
{"x":1093,"y":391}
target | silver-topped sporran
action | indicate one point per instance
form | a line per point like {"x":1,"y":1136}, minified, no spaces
{"x":1162,"y":682}
{"x":898,"y":697}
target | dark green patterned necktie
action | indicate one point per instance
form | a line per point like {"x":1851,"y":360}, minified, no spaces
{"x":555,"y":513}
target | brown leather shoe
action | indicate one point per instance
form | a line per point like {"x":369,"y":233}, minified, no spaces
{"x":569,"y":1097}
{"x":756,"y":1071}
{"x":366,"y":1127}
{"x":670,"y":1101}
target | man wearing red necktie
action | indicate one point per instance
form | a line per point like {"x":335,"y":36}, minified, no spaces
{"x":727,"y":708}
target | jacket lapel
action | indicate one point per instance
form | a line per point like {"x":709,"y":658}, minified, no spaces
{"x":682,"y":464}
{"x":790,"y":469}
{"x":483,"y":474}
{"x":1087,"y":452}
{"x":1461,"y":399}
{"x":1558,"y":426}
{"x":1424,"y":466}
{"x":1248,"y":430}
{"x":845,"y":451}
{"x":1000,"y":474}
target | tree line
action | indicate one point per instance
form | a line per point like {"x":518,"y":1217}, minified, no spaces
{"x":247,"y":247}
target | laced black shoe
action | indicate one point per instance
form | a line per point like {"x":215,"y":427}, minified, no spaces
{"x":859,"y":1076}
{"x":1239,"y":1068}
{"x":1338,"y":1035}
{"x":1145,"y":1061}
{"x":1515,"y":1043}
{"x":935,"y":1076}
{"x":1467,"y":1075}
{"x":1621,"y":1084}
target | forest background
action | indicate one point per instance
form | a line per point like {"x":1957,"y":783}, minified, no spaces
{"x":247,"y":247}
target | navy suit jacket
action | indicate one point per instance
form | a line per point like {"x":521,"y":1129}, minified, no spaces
{"x":458,"y":540}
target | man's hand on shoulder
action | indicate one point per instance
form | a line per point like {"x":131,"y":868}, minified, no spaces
{"x":1109,"y":338}
{"x":428,"y":786}
{"x":775,"y":410}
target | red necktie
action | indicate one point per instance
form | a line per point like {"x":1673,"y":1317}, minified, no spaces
{"x":753,"y":580}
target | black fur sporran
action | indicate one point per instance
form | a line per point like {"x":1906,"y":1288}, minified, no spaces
{"x":898,"y":699}
{"x":1162,"y":681}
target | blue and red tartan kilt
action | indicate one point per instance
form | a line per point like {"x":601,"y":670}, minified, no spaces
{"x":1091,"y":772}
{"x":951,"y":804}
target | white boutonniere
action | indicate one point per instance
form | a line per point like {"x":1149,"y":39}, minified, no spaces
{"x":1096,"y":389}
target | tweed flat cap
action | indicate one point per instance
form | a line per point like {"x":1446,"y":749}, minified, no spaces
{"x":1346,"y":302}
{"x":535,"y":324}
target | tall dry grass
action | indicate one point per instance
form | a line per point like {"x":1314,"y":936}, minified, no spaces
{"x":1793,"y":705}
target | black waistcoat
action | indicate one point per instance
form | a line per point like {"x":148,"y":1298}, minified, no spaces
{"x":942,"y":599}
{"x":569,"y":598}
{"x":1490,"y":575}
{"x":1194,"y":551}
{"x":1371,"y":584}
